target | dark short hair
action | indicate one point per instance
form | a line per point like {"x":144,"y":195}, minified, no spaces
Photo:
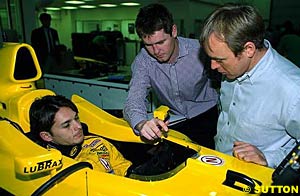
{"x":45,"y":16}
{"x":153,"y":17}
{"x":43,"y":110}
{"x":235,"y":24}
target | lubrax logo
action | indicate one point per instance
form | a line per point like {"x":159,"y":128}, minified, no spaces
{"x":44,"y":165}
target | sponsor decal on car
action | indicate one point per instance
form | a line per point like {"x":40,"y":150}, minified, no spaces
{"x":211,"y":159}
{"x":44,"y":165}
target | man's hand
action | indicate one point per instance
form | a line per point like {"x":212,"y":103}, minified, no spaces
{"x":249,"y":153}
{"x":152,"y":129}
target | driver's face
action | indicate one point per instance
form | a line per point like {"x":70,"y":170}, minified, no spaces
{"x":67,"y":129}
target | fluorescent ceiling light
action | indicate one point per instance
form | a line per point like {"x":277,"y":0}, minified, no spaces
{"x":108,"y":5}
{"x":75,"y":2}
{"x":130,"y":4}
{"x":69,"y":8}
{"x":87,"y":6}
{"x":52,"y":8}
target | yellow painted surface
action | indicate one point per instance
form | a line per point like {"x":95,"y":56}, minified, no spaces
{"x":25,"y":166}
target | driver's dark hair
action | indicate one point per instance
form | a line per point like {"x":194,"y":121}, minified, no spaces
{"x":42,"y":112}
{"x":153,"y":17}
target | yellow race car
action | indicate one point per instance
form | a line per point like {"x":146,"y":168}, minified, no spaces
{"x":28,"y":169}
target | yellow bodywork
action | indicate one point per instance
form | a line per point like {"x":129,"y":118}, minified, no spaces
{"x":26,"y":167}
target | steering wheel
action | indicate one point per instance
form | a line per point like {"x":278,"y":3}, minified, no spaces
{"x":64,"y":173}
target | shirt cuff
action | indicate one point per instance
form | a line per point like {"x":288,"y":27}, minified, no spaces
{"x":136,"y":132}
{"x":274,"y":158}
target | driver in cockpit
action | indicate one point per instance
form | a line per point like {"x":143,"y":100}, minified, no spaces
{"x":54,"y":121}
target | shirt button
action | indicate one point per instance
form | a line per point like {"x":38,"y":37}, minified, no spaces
{"x":228,"y":123}
{"x":233,"y":103}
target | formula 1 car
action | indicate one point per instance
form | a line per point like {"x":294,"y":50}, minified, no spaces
{"x":28,"y":169}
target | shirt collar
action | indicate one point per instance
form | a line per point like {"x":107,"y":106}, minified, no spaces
{"x":183,"y":51}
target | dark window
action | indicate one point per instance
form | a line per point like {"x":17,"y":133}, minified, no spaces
{"x":24,"y":67}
